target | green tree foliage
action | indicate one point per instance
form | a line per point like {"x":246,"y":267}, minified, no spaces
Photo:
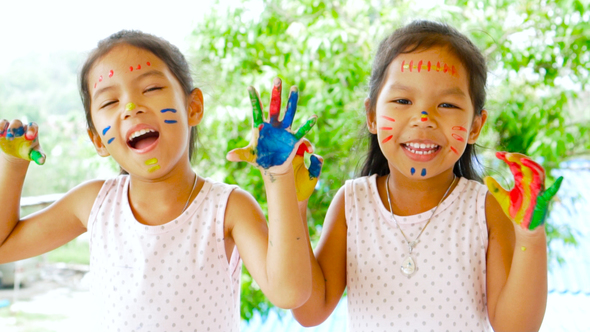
{"x":538,"y":58}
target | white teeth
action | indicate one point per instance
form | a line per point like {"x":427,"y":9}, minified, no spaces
{"x":413,"y":146}
{"x":139,"y":133}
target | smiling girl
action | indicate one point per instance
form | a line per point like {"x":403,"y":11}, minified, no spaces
{"x":166,"y":244}
{"x":417,"y":240}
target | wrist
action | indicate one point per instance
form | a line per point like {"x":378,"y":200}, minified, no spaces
{"x":530,"y":238}
{"x":10,"y":160}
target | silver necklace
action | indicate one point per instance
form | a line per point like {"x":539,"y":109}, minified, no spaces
{"x":189,"y":195}
{"x":408,"y":265}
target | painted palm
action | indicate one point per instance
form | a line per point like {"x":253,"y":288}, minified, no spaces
{"x":526,"y":204}
{"x":21,"y":141}
{"x":273,"y":141}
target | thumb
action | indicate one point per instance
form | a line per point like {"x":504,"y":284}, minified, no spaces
{"x":501,"y":194}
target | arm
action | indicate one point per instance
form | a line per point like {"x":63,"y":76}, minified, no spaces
{"x":328,"y":267}
{"x":517,"y":248}
{"x":46,"y":229}
{"x":277,"y":257}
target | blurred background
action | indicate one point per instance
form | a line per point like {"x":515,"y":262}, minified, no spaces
{"x":539,"y":67}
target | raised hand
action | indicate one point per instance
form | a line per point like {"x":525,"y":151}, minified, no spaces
{"x":273,"y":141}
{"x":21,"y":141}
{"x":526,"y":204}
{"x":306,"y":178}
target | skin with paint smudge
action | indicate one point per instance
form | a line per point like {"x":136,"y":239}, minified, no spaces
{"x":306,"y":178}
{"x":419,"y":113}
{"x":273,"y":142}
{"x":21,"y":141}
{"x":526,"y":204}
{"x":137,"y":109}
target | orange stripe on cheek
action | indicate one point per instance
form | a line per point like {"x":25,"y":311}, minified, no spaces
{"x":458,"y":138}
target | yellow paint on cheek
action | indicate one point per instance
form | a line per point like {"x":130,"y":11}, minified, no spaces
{"x":130,"y":107}
{"x":151,"y":161}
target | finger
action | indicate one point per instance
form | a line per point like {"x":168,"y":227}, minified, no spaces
{"x":291,"y":107}
{"x":246,"y":154}
{"x":38,"y":156}
{"x":540,"y":211}
{"x":15,"y":130}
{"x":315,"y":166}
{"x":305,"y":146}
{"x":32,"y":131}
{"x":275,"y":102}
{"x":306,"y":127}
{"x":257,"y":116}
{"x":517,"y":192}
{"x":538,"y":173}
{"x":3,"y":127}
{"x":500,"y":194}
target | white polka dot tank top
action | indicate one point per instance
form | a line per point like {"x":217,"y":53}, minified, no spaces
{"x":172,"y":277}
{"x":447,"y":292}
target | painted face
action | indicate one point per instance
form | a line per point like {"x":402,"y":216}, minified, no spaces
{"x":140,"y":111}
{"x":424,"y":116}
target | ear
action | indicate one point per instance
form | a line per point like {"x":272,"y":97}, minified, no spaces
{"x":195,"y":107}
{"x":98,"y":145}
{"x":476,"y":126}
{"x":371,"y":122}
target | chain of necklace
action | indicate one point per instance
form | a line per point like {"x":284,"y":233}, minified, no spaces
{"x":189,"y":195}
{"x":408,"y":265}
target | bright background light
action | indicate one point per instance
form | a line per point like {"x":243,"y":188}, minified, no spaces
{"x":48,"y":26}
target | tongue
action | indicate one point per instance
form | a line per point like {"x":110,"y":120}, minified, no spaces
{"x":145,"y":142}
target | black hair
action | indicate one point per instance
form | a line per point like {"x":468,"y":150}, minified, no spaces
{"x":161,"y":48}
{"x":423,"y":35}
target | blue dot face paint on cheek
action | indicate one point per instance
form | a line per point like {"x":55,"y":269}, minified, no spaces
{"x":111,"y":140}
{"x":168,"y":110}
{"x":104,"y":131}
{"x":170,"y":121}
{"x":423,"y":172}
{"x":412,"y":171}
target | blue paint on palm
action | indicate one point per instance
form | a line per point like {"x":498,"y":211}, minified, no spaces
{"x":274,"y":146}
{"x":315,"y":167}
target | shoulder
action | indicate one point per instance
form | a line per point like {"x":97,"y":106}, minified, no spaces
{"x":241,"y":205}
{"x":80,"y":200}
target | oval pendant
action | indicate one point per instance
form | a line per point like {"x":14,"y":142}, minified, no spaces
{"x":408,"y":266}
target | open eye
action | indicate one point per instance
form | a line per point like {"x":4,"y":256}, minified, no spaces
{"x":447,"y":105}
{"x":402,"y":102}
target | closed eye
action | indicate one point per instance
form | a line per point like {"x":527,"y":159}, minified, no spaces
{"x":154,"y":88}
{"x":108,"y":104}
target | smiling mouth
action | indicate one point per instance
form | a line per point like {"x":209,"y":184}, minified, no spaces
{"x":421,"y":148}
{"x":142,"y":138}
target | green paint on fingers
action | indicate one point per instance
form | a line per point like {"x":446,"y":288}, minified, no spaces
{"x":256,"y":108}
{"x":306,"y":127}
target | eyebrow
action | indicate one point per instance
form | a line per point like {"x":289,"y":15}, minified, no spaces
{"x":451,"y":91}
{"x":154,"y":72}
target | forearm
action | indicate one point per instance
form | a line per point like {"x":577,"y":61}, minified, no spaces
{"x":522,"y":301}
{"x":12,"y":178}
{"x":288,"y":268}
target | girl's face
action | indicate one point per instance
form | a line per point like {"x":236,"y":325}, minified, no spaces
{"x":140,"y":112}
{"x":424,"y":116}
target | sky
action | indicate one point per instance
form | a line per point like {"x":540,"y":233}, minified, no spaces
{"x":48,"y":26}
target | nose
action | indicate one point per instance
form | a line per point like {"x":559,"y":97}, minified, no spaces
{"x":423,"y":120}
{"x":131,"y":109}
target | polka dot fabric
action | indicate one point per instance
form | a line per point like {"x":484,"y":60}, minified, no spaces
{"x":448,"y":290}
{"x":172,"y":277}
